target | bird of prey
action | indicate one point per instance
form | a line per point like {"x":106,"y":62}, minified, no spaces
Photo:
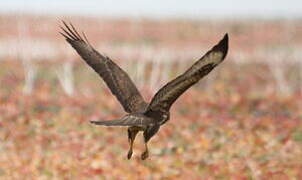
{"x":141,"y":116}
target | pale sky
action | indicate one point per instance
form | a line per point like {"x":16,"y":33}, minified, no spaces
{"x":159,"y":8}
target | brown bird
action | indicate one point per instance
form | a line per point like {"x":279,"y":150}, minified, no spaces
{"x":142,"y":116}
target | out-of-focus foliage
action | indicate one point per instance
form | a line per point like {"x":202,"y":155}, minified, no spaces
{"x":227,"y":131}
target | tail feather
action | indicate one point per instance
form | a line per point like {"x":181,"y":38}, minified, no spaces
{"x":116,"y":122}
{"x":128,"y":120}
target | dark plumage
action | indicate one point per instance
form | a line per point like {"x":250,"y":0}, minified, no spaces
{"x":141,"y":115}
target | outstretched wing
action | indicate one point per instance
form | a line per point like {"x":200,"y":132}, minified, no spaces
{"x":167,"y":95}
{"x":116,"y":79}
{"x":128,"y":120}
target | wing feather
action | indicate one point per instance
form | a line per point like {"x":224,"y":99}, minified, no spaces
{"x":116,"y":79}
{"x":168,"y":94}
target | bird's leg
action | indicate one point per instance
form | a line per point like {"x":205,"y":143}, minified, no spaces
{"x":145,"y":154}
{"x":131,"y":136}
{"x":148,"y":133}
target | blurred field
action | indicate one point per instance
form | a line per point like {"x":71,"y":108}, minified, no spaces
{"x":244,"y":121}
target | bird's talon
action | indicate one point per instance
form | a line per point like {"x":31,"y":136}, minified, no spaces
{"x":129,"y":154}
{"x":145,"y":155}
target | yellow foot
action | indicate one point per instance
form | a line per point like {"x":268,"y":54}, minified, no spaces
{"x":145,"y":155}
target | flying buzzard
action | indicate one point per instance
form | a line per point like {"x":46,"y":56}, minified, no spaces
{"x":142,"y":116}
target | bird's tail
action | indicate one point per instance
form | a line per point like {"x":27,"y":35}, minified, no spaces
{"x":115,"y":122}
{"x":128,"y":120}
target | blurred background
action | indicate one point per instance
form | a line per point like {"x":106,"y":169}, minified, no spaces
{"x":243,"y":121}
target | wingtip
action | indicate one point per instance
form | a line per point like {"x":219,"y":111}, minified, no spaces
{"x":226,"y":36}
{"x":225,"y":41}
{"x":223,"y":45}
